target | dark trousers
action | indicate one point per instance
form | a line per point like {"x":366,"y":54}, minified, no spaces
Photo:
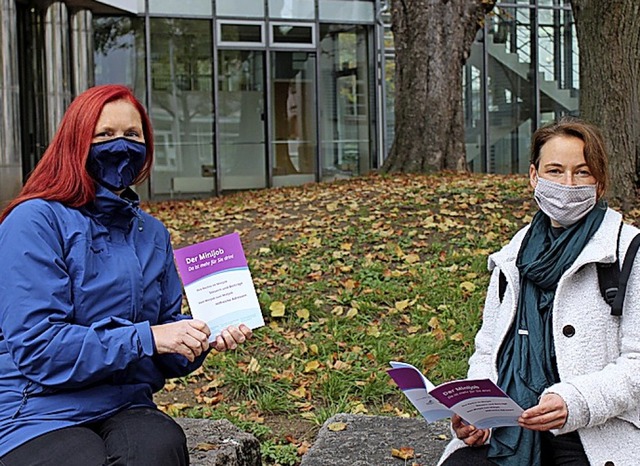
{"x":133,"y":437}
{"x":561,"y":450}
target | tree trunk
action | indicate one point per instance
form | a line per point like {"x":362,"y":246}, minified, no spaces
{"x":609,"y":44}
{"x":433,"y":39}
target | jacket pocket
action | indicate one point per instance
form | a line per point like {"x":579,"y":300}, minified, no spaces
{"x":29,"y":391}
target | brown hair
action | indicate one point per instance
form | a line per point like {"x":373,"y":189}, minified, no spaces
{"x":595,"y":152}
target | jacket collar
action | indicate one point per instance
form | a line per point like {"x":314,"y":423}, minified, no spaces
{"x":113,"y":210}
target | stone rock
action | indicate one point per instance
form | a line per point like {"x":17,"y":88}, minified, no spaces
{"x":219,"y":443}
{"x":368,"y":441}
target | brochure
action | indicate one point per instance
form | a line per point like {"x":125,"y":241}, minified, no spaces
{"x":218,"y":284}
{"x":479,"y":402}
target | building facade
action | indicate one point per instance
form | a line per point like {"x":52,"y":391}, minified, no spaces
{"x":260,"y":93}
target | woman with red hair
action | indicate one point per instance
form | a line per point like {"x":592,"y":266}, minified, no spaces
{"x":90,"y":301}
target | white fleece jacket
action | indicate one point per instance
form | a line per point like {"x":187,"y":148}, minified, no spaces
{"x":598,"y":355}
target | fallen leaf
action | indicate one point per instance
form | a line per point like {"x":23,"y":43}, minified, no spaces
{"x":253,"y":366}
{"x":303,"y":448}
{"x":206,"y":446}
{"x":311,"y":366}
{"x":352,"y":313}
{"x":412,"y":258}
{"x":359,"y":409}
{"x":337,"y":426}
{"x":277,"y":309}
{"x":299,"y":392}
{"x":401,"y":305}
{"x":467,"y":286}
{"x":404,"y":453}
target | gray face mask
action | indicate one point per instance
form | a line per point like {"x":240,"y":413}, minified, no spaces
{"x":564,"y":204}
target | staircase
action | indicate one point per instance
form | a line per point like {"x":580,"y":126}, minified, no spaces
{"x":511,"y":93}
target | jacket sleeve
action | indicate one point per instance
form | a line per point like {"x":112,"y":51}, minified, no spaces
{"x":497,"y":313}
{"x":37,"y":311}
{"x":481,"y":362}
{"x":174,"y":365}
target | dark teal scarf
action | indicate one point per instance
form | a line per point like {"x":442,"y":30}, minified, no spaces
{"x":526,"y":363}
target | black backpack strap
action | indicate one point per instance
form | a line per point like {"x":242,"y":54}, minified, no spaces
{"x":608,"y":279}
{"x":609,"y":275}
{"x":627,"y":265}
{"x":502,"y":285}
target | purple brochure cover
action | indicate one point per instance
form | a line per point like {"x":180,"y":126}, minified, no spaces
{"x":211,"y":256}
{"x":452,"y":393}
{"x":406,"y":378}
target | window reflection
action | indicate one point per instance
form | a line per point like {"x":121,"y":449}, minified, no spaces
{"x":346,"y":121}
{"x":181,"y":105}
{"x":119,"y":52}
{"x":241,"y":119}
{"x":293,"y":115}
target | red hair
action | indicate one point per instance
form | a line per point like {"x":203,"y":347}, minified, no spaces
{"x":61,"y":173}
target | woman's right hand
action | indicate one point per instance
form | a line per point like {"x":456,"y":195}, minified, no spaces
{"x":467,"y":433}
{"x":188,"y":337}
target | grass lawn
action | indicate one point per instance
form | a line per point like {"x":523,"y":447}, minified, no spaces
{"x":350,"y":275}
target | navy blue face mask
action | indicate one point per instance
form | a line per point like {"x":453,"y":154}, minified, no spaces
{"x":117,"y":162}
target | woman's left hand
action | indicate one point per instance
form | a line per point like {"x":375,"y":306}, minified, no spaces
{"x":231,"y":336}
{"x":550,"y":413}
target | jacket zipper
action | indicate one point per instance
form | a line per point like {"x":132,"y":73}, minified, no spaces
{"x":25,"y":396}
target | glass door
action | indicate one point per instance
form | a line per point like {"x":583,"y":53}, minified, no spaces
{"x":241,"y":123}
{"x":293,"y":118}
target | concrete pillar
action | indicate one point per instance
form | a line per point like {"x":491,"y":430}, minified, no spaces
{"x":82,"y":51}
{"x":10,"y":149}
{"x":57,"y":64}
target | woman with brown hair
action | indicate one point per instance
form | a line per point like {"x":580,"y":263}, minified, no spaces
{"x":548,"y":337}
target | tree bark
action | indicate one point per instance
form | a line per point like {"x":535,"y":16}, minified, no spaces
{"x":609,"y":44}
{"x":433,"y":40}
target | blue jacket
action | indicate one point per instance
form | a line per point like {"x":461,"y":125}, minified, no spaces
{"x":79,"y":292}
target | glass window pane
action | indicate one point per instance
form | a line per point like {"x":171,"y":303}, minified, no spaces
{"x":510,"y":91}
{"x":293,"y":116}
{"x":120,"y":52}
{"x":338,"y":10}
{"x":182,"y":7}
{"x":292,"y":9}
{"x":240,"y":8}
{"x":289,"y":34}
{"x":182,"y":106}
{"x":346,"y":117}
{"x":241,"y":33}
{"x":241,"y":119}
{"x":555,"y":3}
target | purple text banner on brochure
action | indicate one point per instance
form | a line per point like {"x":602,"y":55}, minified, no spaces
{"x":452,"y":393}
{"x":209,"y":257}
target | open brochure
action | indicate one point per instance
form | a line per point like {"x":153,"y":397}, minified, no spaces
{"x":480,"y":403}
{"x":218,"y":284}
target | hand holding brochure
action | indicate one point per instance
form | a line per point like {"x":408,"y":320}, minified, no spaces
{"x":218,"y":284}
{"x":479,"y":402}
